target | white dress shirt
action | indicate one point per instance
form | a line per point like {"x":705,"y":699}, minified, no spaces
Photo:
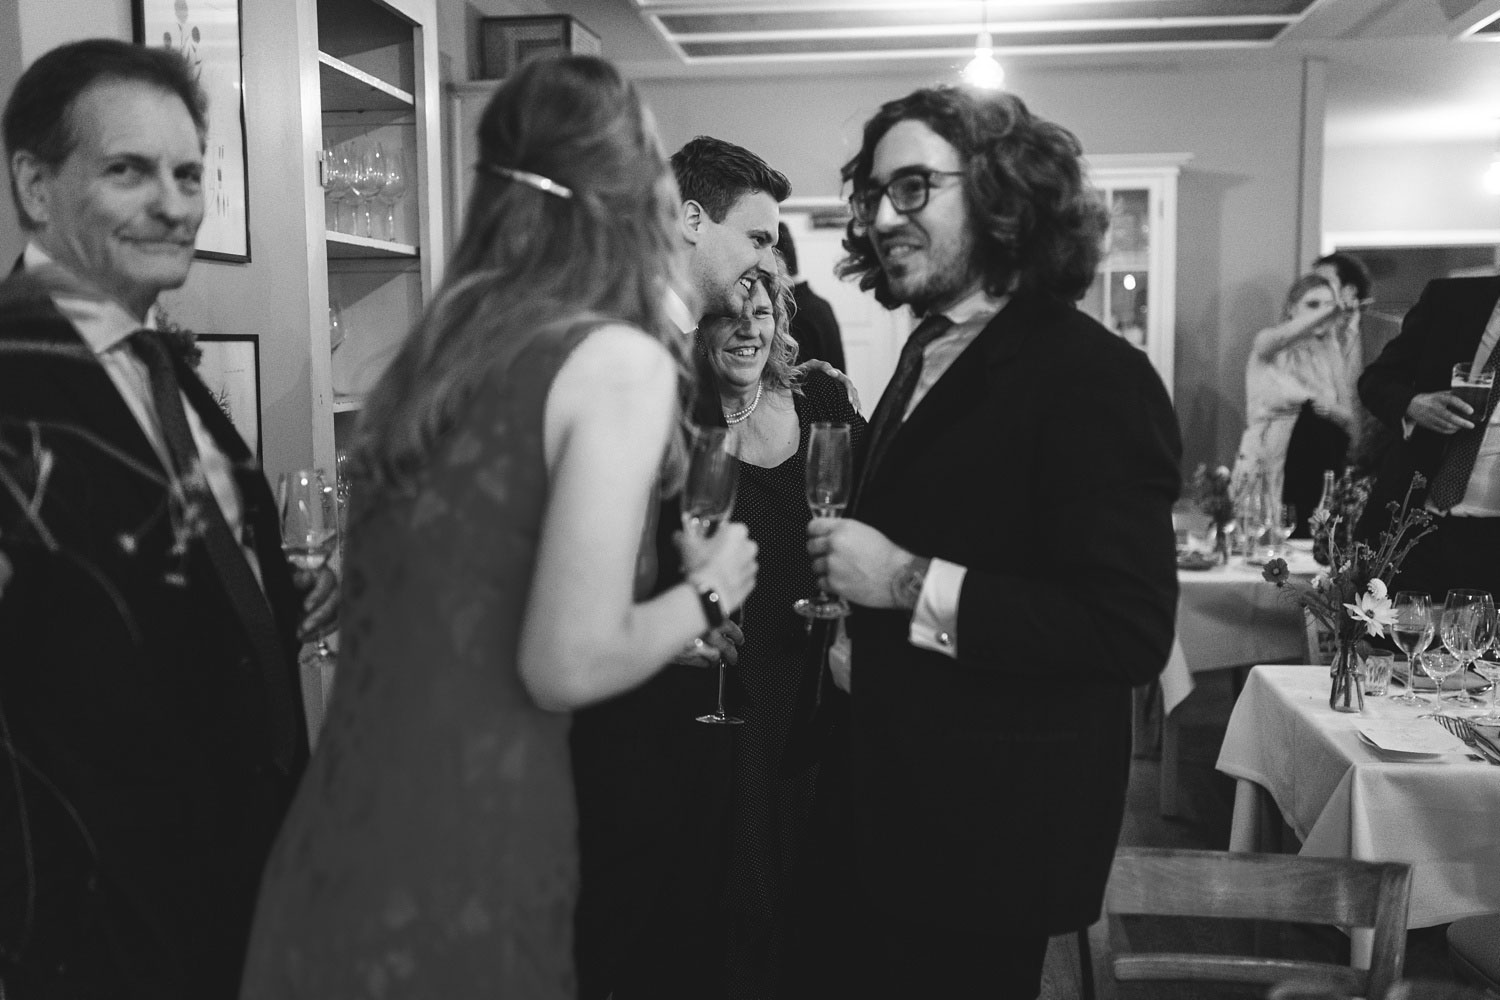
{"x":934,"y":621}
{"x":105,"y":327}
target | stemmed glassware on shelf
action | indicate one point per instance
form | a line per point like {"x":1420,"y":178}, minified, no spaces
{"x":369,"y":177}
{"x":1467,"y":623}
{"x":830,"y":480}
{"x":309,"y":525}
{"x":395,"y":181}
{"x":707,"y":502}
{"x":1412,"y":632}
{"x":338,"y":173}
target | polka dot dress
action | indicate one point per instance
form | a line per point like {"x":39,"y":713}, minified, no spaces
{"x":775,"y":688}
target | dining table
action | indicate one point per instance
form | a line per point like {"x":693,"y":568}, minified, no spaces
{"x":1425,"y":798}
{"x":1228,"y":615}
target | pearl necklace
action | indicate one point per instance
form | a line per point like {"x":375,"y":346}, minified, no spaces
{"x":739,"y":416}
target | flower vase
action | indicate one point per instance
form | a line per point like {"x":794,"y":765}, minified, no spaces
{"x":1346,"y":694}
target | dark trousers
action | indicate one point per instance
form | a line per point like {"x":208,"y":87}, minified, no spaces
{"x":1317,"y":444}
{"x":1460,"y":552}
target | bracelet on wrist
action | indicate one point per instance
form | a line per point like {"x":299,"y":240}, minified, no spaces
{"x":710,"y":601}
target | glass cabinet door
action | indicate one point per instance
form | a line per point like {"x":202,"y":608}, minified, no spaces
{"x":1134,"y":289}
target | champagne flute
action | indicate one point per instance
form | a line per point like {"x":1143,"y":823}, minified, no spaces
{"x":707,"y":502}
{"x":309,"y":525}
{"x":1413,"y":633}
{"x":830,"y":479}
{"x":1466,"y":632}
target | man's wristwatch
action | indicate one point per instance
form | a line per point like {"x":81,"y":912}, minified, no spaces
{"x":906,"y":587}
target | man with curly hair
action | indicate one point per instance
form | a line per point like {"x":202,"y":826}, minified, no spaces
{"x":1009,"y":555}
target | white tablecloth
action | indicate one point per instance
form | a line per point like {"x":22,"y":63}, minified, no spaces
{"x":1342,"y":799}
{"x":1229,"y":616}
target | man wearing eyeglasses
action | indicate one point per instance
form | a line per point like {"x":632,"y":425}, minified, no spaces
{"x":1009,"y":554}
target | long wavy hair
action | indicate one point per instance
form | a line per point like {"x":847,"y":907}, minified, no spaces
{"x":530,"y":263}
{"x":1038,"y":224}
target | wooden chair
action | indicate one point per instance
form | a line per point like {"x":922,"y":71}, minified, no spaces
{"x":1278,"y":887}
{"x":1322,"y":644}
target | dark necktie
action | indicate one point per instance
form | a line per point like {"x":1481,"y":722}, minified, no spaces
{"x":891,"y":410}
{"x":1452,"y":478}
{"x":224,"y":552}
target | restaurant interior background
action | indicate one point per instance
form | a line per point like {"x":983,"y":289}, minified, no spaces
{"x":1362,"y":124}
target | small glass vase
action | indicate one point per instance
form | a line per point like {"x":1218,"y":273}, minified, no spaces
{"x":1346,"y":693}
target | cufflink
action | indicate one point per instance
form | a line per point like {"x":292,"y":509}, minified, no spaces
{"x":944,"y":639}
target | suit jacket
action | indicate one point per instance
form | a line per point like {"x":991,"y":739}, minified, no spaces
{"x":141,"y":798}
{"x":1442,"y":329}
{"x":989,"y":790}
{"x":815,"y":329}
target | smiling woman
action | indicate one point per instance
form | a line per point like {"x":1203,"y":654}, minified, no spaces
{"x":792,"y":715}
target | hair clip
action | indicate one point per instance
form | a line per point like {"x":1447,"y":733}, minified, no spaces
{"x":543,"y":184}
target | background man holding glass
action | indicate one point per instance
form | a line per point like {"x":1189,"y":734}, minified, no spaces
{"x":151,"y":726}
{"x":1412,"y":388}
{"x":1009,"y":554}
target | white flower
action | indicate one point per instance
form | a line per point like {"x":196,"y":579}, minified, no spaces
{"x":1374,"y":609}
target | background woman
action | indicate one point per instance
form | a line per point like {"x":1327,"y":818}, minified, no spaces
{"x":782,"y":695}
{"x":1298,"y":383}
{"x":509,"y":457}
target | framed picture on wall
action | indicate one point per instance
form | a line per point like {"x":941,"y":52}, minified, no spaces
{"x":207,"y":33}
{"x":230,"y":367}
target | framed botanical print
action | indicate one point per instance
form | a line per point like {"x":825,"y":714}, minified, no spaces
{"x":207,"y":33}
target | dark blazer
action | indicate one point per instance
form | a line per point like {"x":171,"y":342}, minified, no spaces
{"x":815,"y":329}
{"x":1442,"y":329}
{"x":140,"y":799}
{"x":989,"y":790}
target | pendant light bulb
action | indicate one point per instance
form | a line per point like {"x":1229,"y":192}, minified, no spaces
{"x":984,"y":70}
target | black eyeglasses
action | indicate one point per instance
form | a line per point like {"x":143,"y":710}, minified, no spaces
{"x":908,"y":194}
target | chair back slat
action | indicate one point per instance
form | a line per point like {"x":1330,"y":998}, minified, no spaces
{"x":1272,"y":887}
{"x":1188,"y":967}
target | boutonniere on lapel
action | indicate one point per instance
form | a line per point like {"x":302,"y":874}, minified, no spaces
{"x":183,"y":343}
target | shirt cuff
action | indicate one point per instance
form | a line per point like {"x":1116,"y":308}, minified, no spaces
{"x":934,"y":622}
{"x":1407,"y":426}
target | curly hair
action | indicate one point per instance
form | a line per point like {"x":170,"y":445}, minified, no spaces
{"x":1038,"y":224}
{"x":780,"y":371}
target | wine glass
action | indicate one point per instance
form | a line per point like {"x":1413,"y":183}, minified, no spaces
{"x":309,"y":525}
{"x":394,"y":186}
{"x":337,"y":173}
{"x":1412,"y":632}
{"x":707,"y":501}
{"x":1466,"y":623}
{"x":1439,"y":666}
{"x":369,"y":176}
{"x":830,"y":479}
{"x":336,"y":328}
{"x":1490,"y":668}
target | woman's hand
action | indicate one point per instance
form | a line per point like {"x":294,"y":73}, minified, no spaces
{"x":722,"y":643}
{"x":724,"y":561}
{"x":1336,"y":412}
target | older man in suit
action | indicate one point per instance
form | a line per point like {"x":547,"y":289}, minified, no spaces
{"x":151,"y":730}
{"x":1451,"y":440}
{"x":1009,"y":556}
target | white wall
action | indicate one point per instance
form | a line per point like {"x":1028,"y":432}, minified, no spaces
{"x":1238,"y":198}
{"x":1411,"y":187}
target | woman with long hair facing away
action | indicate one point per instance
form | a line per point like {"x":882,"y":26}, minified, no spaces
{"x":1299,"y":400}
{"x":508,"y":462}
